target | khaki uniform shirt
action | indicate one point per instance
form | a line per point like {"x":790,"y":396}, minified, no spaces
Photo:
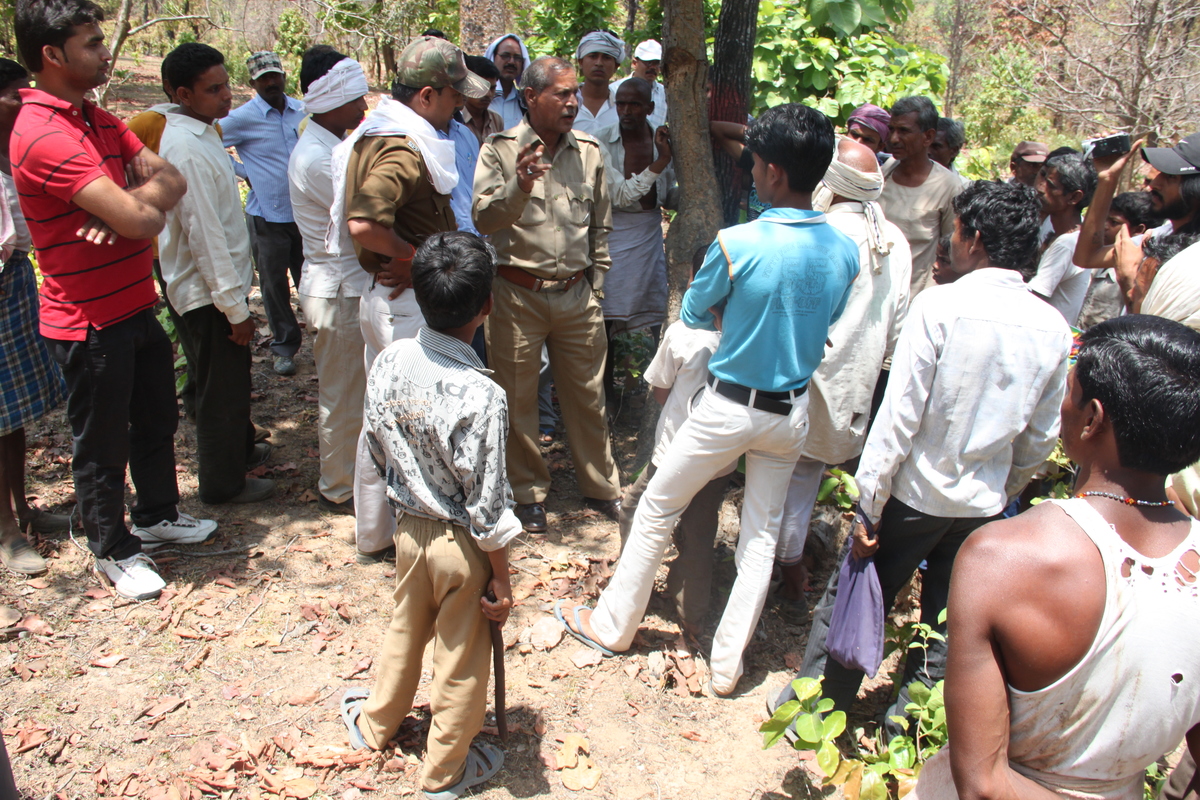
{"x":384,"y":175}
{"x":562,"y":226}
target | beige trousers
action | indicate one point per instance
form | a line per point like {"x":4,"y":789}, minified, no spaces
{"x":571,"y":325}
{"x":337,"y":350}
{"x":440,"y":575}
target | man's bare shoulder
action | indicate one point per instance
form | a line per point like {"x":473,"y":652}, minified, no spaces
{"x":1029,"y":546}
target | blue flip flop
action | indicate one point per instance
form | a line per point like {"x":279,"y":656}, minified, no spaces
{"x":579,"y":634}
{"x":352,"y":702}
{"x":483,"y":762}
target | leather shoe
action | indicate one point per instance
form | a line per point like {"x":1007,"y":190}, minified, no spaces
{"x":532,"y":516}
{"x":609,"y":508}
{"x":346,"y":507}
{"x":260,"y":455}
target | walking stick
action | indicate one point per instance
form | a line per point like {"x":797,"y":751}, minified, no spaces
{"x":498,"y":669}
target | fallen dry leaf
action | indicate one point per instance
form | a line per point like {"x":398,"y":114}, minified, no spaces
{"x":108,"y":662}
{"x":546,"y":633}
{"x":693,"y":736}
{"x":37,"y":626}
{"x":164,"y":706}
{"x":568,"y":755}
{"x":38,"y":583}
{"x":586,"y":657}
{"x":584,"y":775}
{"x":304,"y":697}
{"x":31,"y":738}
{"x":300,"y":788}
{"x":359,"y":668}
{"x":309,"y":496}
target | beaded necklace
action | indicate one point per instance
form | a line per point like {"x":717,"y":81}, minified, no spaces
{"x":1129,"y":501}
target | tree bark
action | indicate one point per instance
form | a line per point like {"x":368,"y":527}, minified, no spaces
{"x":481,"y":21}
{"x":733,"y":58}
{"x":685,"y":70}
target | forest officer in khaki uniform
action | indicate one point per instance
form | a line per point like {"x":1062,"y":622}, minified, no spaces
{"x":540,"y":193}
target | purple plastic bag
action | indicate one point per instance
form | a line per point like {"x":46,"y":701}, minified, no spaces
{"x":855,"y":638}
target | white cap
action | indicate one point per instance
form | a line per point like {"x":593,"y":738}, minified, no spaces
{"x":648,"y":50}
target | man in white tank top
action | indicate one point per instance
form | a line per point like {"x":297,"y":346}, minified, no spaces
{"x":1074,"y":628}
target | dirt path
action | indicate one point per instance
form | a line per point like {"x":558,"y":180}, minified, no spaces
{"x":229,"y":684}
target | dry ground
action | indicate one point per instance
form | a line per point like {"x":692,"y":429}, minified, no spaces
{"x":229,"y":684}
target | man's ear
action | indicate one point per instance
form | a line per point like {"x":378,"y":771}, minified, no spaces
{"x":53,"y":55}
{"x":1094,"y":419}
{"x":184,"y":95}
{"x":929,"y":136}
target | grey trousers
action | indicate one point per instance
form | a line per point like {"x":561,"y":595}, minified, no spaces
{"x":278,"y":252}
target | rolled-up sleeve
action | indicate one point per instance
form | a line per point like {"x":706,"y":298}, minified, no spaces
{"x":488,"y":502}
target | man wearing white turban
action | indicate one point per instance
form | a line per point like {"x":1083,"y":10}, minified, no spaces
{"x":599,"y":54}
{"x":331,"y":281}
{"x":839,"y":395}
{"x":510,"y":57}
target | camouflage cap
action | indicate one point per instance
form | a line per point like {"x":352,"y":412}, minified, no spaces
{"x":429,"y":61}
{"x":262,"y":62}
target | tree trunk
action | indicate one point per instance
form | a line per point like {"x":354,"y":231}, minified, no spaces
{"x":631,"y":12}
{"x":733,"y":58}
{"x":685,"y":69}
{"x":120,"y":33}
{"x":481,"y":21}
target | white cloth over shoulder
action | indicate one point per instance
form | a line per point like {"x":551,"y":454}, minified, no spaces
{"x":390,"y":118}
{"x":1175,"y":291}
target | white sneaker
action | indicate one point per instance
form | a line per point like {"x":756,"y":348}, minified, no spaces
{"x":185,"y":530}
{"x":135,"y":577}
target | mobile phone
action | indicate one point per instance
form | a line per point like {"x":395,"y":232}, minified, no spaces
{"x":1115,"y":145}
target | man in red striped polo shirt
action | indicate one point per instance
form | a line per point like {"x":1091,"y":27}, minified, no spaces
{"x":91,"y":227}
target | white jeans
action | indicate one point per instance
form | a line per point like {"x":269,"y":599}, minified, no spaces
{"x":341,"y":385}
{"x":382,"y":322}
{"x":717,"y":432}
{"x":802,"y":493}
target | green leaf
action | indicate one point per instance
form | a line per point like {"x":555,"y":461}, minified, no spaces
{"x":942,"y":616}
{"x":873,"y":786}
{"x":845,"y":16}
{"x":834,"y":724}
{"x":825,"y":706}
{"x":774,"y":728}
{"x":919,"y":693}
{"x":828,"y":758}
{"x":827,"y":487}
{"x":809,"y":728}
{"x":851,"y":484}
{"x":806,"y":688}
{"x":819,"y":80}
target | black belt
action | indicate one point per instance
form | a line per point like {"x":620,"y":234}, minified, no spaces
{"x":774,"y":402}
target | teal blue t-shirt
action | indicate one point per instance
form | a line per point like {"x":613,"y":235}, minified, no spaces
{"x":784,"y":278}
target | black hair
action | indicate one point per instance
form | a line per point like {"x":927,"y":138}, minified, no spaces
{"x":1075,"y":173}
{"x":1135,"y":208}
{"x":955,"y":132}
{"x":1145,"y":371}
{"x":1007,"y":218}
{"x":1062,"y":151}
{"x":49,"y":22}
{"x":923,"y":107}
{"x":316,"y":62}
{"x":187,"y":62}
{"x":796,"y":138}
{"x":402,"y":93}
{"x":944,"y":243}
{"x":1163,"y":248}
{"x":452,"y":278}
{"x":483,"y":67}
{"x":435,"y":32}
{"x":642,"y":85}
{"x":1189,"y":193}
{"x":10,"y":73}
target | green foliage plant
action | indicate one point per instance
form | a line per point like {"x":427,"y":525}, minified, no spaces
{"x":559,"y":26}
{"x":839,"y":489}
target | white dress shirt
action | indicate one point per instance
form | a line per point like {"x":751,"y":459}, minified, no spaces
{"x":204,"y":251}
{"x":972,"y":405}
{"x":626,"y":193}
{"x":841,"y":389}
{"x":591,"y":123}
{"x":310,"y":184}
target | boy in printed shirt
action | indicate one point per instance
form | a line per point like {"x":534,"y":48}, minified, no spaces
{"x":436,"y":427}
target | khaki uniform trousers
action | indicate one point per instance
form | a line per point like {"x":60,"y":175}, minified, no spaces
{"x":571,"y":325}
{"x":440,"y":575}
{"x":342,"y":382}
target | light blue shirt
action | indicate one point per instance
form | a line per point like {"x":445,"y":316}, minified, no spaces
{"x":466,"y":153}
{"x":509,"y":108}
{"x":784,"y":278}
{"x":264,"y":139}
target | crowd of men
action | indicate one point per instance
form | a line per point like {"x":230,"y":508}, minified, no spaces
{"x":488,"y":228}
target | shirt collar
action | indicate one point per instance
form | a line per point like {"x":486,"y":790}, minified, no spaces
{"x":525,"y":134}
{"x":189,"y":124}
{"x":452,"y":348}
{"x":789,"y":216}
{"x":264,"y":108}
{"x":43,"y":98}
{"x":322,"y":135}
{"x":994,"y":276}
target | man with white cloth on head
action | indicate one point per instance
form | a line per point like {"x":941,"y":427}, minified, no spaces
{"x":598,"y":56}
{"x":393,"y":177}
{"x":331,"y":283}
{"x":839,"y":394}
{"x":510,"y":56}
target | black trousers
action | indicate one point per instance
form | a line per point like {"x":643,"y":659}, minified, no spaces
{"x":224,"y":433}
{"x":906,"y":538}
{"x":121,"y":403}
{"x":278,"y":252}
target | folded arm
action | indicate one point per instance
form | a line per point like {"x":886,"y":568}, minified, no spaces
{"x":138,"y":213}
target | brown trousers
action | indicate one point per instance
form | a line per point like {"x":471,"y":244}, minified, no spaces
{"x":440,"y":576}
{"x":571,"y":325}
